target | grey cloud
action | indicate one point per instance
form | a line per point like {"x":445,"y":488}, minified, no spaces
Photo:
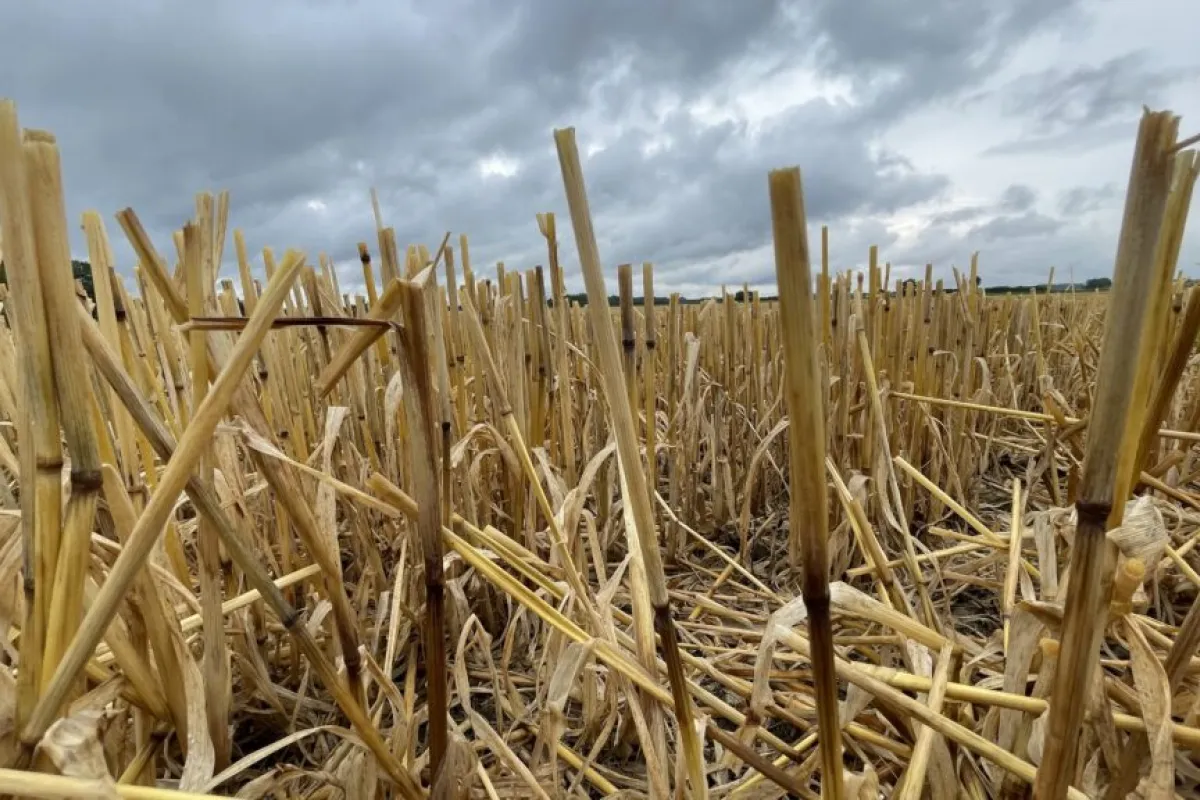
{"x":1017,"y":242}
{"x":1018,"y":197}
{"x":153,"y":105}
{"x":958,"y":215}
{"x":1056,"y":98}
{"x":1076,"y":141}
{"x":1014,"y":199}
{"x":1016,"y":226}
{"x":905,"y":53}
{"x":153,"y":102}
{"x":1085,"y":199}
{"x":1016,"y":251}
{"x":723,"y":208}
{"x":1084,"y":106}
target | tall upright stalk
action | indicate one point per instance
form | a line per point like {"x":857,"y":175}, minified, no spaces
{"x":424,"y":474}
{"x":1188,"y":638}
{"x":217,"y":690}
{"x":808,"y":510}
{"x":41,"y":458}
{"x":1093,"y":558}
{"x":44,"y":175}
{"x":649,"y":385}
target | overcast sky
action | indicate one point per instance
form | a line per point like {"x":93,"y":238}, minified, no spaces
{"x":929,"y":127}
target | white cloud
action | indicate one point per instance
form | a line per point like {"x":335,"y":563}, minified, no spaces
{"x":498,"y":165}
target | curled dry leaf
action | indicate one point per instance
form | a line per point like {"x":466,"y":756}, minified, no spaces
{"x":1154,"y":695}
{"x":73,"y":745}
{"x":862,"y":785}
{"x":786,"y":618}
{"x":558,"y":692}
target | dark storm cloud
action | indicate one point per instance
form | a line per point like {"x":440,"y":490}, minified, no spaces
{"x":721,"y":206}
{"x":905,"y":53}
{"x":315,"y":102}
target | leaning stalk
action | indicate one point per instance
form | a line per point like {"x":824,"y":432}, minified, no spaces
{"x":638,"y":496}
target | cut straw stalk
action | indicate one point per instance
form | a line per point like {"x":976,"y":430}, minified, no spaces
{"x":41,"y":459}
{"x":1093,"y":559}
{"x":1185,"y":336}
{"x":217,"y":686}
{"x":105,"y":280}
{"x":912,"y":784}
{"x":808,"y":509}
{"x":150,"y":524}
{"x":893,"y":489}
{"x":242,"y":552}
{"x":43,"y":172}
{"x":649,"y":375}
{"x":1188,"y":638}
{"x":637,"y":497}
{"x":424,"y":474}
{"x":28,"y":784}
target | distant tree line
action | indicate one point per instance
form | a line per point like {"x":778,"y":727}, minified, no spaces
{"x":614,"y":300}
{"x":82,"y":271}
{"x":1090,"y":285}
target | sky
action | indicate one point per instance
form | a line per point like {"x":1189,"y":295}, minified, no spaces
{"x":931,"y":128}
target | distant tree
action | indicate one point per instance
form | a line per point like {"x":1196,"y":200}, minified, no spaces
{"x":1098,"y":283}
{"x":81,"y":270}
